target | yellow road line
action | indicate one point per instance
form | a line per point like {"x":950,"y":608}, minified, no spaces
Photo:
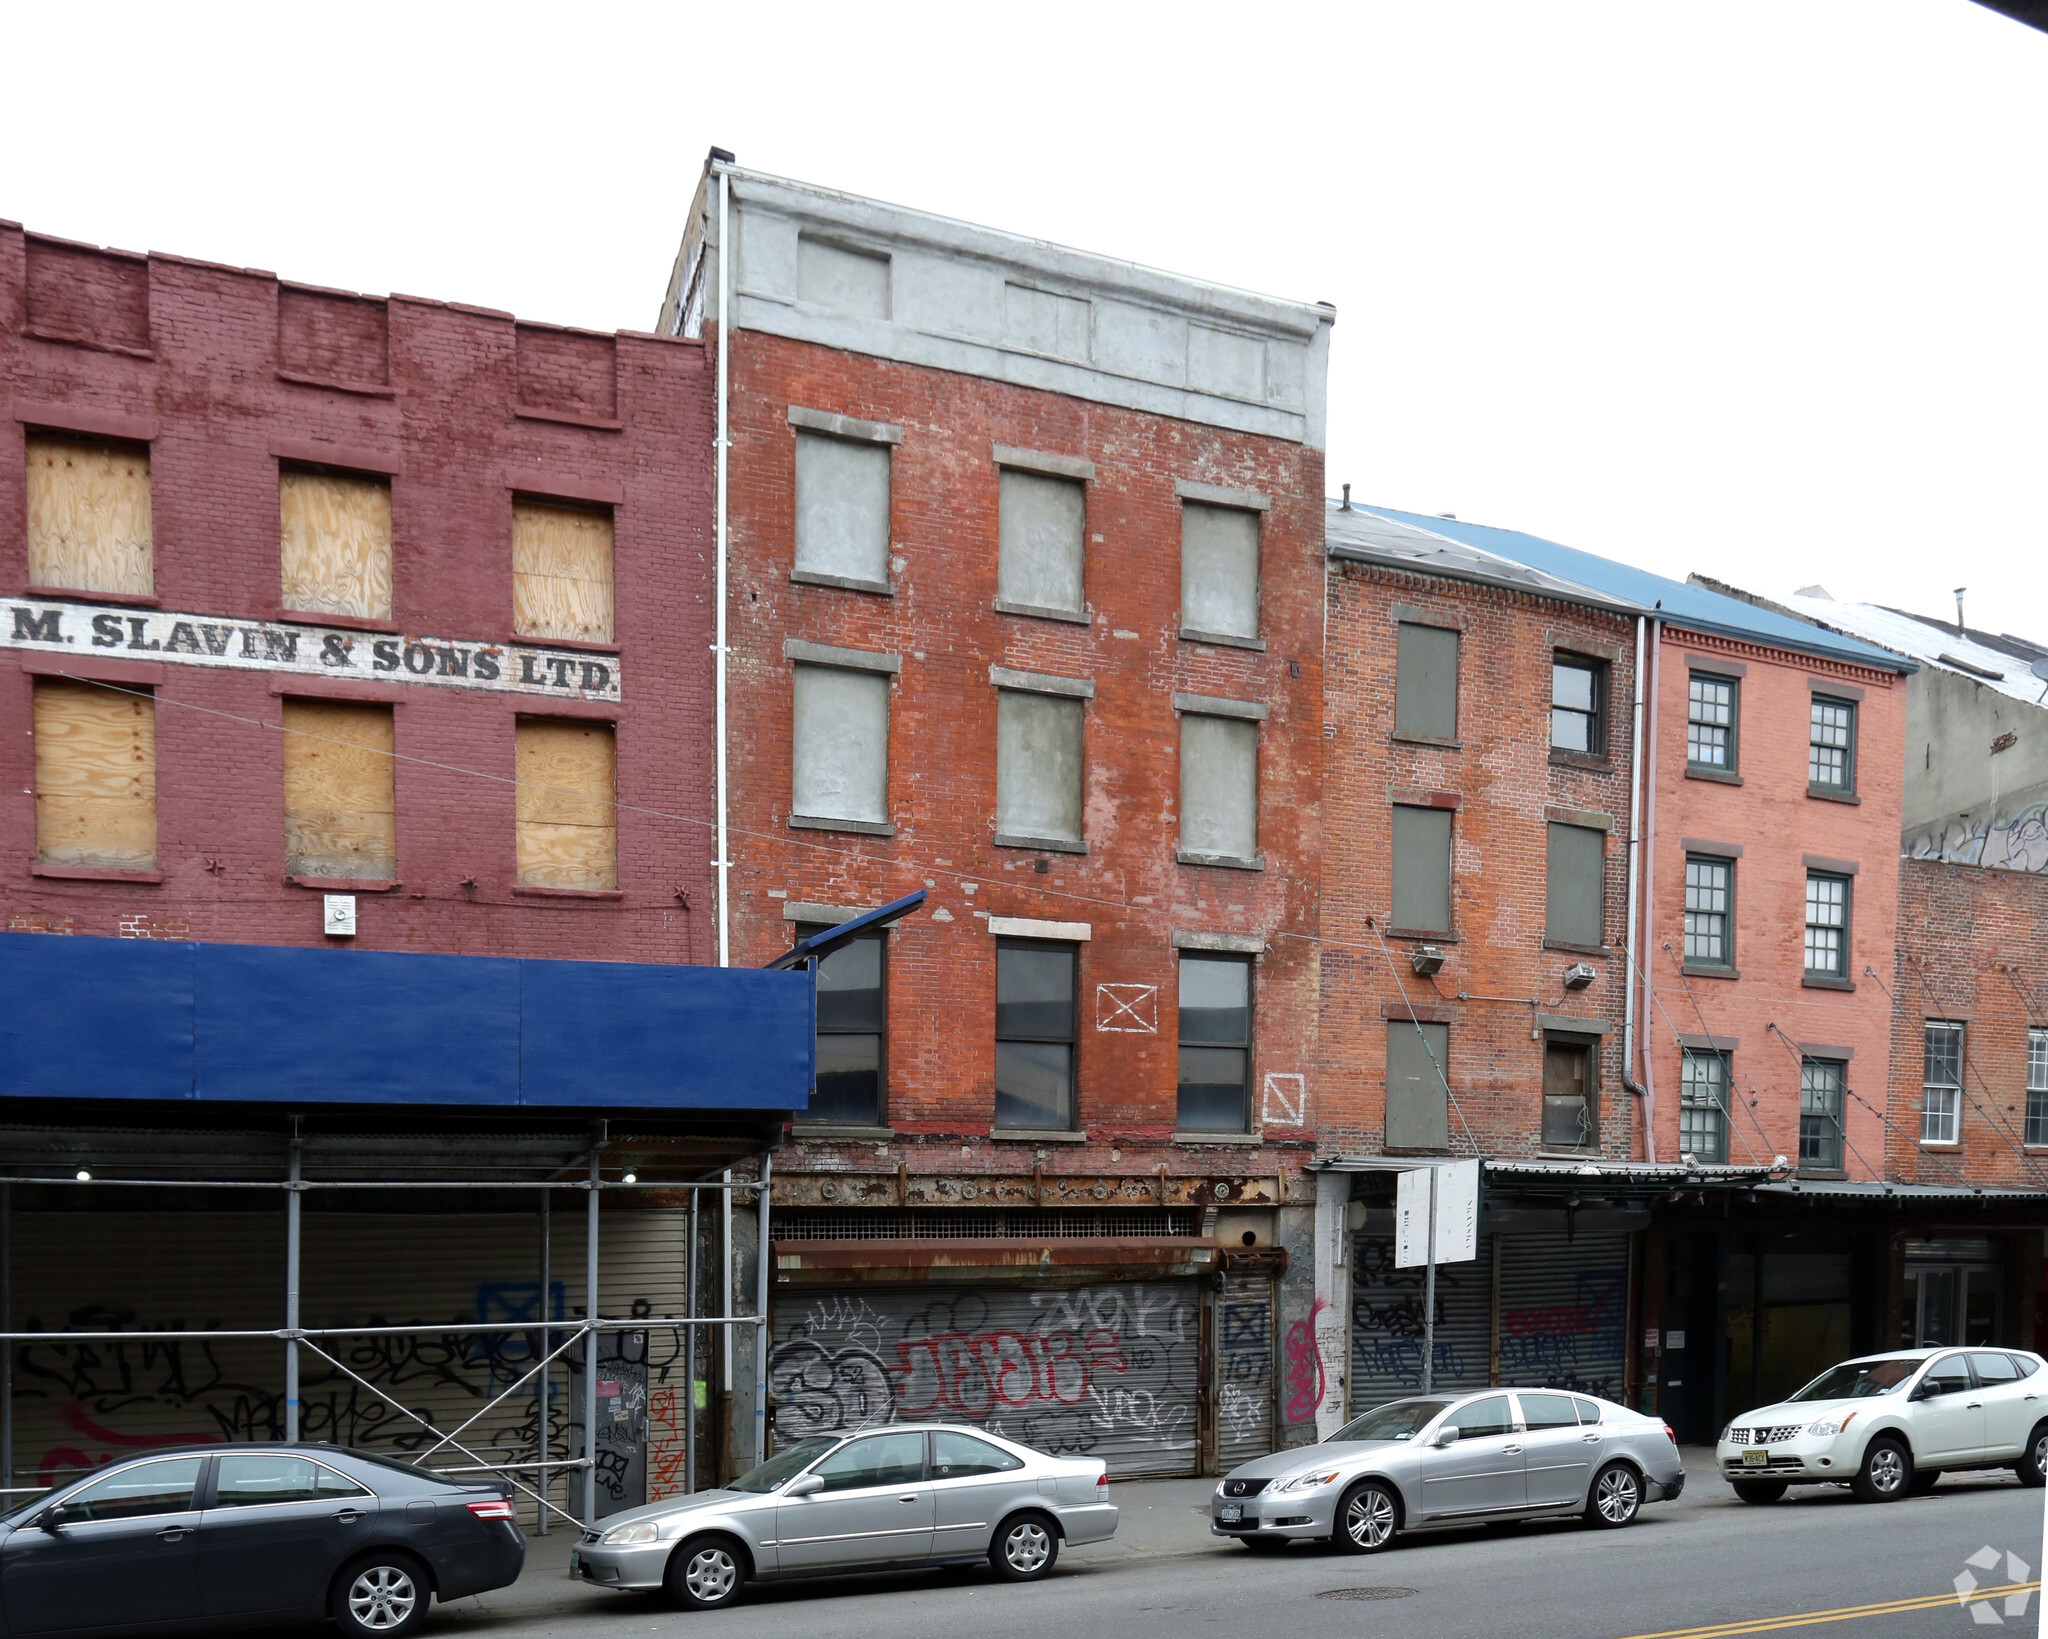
{"x":1846,"y":1613}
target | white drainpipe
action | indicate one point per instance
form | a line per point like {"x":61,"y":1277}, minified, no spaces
{"x":1635,"y":855}
{"x":724,"y":859}
{"x":1646,"y":792}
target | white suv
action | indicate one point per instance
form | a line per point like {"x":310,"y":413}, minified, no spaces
{"x":1890,"y":1424}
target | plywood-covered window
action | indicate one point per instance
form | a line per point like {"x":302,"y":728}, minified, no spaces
{"x":88,"y":516}
{"x":1576,"y":871}
{"x":95,"y":763}
{"x":1418,"y":1097}
{"x":562,"y":571}
{"x":334,"y":548}
{"x":340,"y":819}
{"x":1425,"y":681}
{"x":1422,"y":869}
{"x":567,"y":824}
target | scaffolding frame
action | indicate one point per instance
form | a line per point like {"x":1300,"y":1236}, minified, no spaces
{"x":586,"y":1331}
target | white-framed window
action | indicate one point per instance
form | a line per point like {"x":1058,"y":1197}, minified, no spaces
{"x":1710,"y":722}
{"x":1709,"y":907}
{"x":2037,"y":1087}
{"x":1820,"y":1112}
{"x":1703,"y":1105}
{"x":1827,"y":925}
{"x":1941,"y":1084}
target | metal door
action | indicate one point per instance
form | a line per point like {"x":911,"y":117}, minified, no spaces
{"x":1564,"y":1312}
{"x":1386,"y":1324}
{"x":1110,"y":1371}
{"x":621,"y":1421}
{"x":1244,"y":1370}
{"x":1482,"y":1471}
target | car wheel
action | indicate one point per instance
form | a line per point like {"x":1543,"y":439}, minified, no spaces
{"x":1264,"y":1545}
{"x":1368,"y":1517}
{"x":1759,"y":1490}
{"x":1887,"y":1471}
{"x":2032,"y":1467}
{"x":1616,"y":1497}
{"x":383,"y":1594}
{"x":705,"y":1575}
{"x":1026,"y":1548}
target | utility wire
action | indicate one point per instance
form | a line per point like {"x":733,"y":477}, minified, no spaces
{"x":1422,"y":1037}
{"x":1799,"y":1059}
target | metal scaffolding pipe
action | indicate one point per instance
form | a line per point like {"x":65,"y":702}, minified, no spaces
{"x":690,"y":1358}
{"x":291,"y":1298}
{"x":96,"y":1182}
{"x":7,"y":1353}
{"x":590,"y":1350}
{"x":540,"y":1390}
{"x":762,"y":1261}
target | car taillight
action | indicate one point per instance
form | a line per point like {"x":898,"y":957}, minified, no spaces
{"x":494,"y":1508}
{"x":1670,"y":1436}
{"x":1101,"y":1486}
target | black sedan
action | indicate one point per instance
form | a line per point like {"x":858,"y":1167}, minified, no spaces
{"x":227,"y":1535}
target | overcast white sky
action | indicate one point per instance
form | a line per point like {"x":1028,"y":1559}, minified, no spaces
{"x":1756,"y":289}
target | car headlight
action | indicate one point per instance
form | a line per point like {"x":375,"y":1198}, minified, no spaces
{"x":1730,"y":1429}
{"x":1831,"y":1425}
{"x":1308,"y":1481}
{"x":639,"y":1531}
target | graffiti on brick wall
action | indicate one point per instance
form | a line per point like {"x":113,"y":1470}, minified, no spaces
{"x":2001,"y":842}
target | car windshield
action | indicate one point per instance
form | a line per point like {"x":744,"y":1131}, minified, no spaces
{"x":1401,"y":1420}
{"x":1859,"y":1379}
{"x":783,"y":1465}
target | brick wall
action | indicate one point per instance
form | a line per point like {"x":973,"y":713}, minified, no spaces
{"x":1504,"y":778}
{"x":1767,"y":813}
{"x":941,"y":795}
{"x":222,"y":369}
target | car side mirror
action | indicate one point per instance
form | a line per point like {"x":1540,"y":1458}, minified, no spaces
{"x":805,"y":1485}
{"x":1445,"y":1437}
{"x":1926,"y":1389}
{"x":53,"y":1516}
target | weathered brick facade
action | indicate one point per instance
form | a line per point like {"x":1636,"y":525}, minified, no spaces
{"x":225,"y":373}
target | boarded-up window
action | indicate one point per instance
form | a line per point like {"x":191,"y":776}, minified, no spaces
{"x":1219,"y":787}
{"x":842,"y":510}
{"x":568,"y":836}
{"x":1418,"y":1106}
{"x":95,"y":760}
{"x":1426,"y":681}
{"x":1422,"y":869}
{"x":841,"y":279}
{"x":335,"y":546}
{"x":1572,"y":893}
{"x":1038,"y":555}
{"x":88,"y":516}
{"x":340,"y":818}
{"x":562,"y":571}
{"x":1038,"y":768}
{"x":1219,"y":570}
{"x":840,"y":745}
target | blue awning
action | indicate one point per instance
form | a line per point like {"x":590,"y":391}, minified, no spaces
{"x":140,"y":1019}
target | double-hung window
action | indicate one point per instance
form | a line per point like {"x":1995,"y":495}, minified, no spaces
{"x":1036,"y":1016}
{"x":1820,"y":1113}
{"x":1710,"y":722}
{"x":852,"y":1006}
{"x":1215,"y":1043}
{"x":1703,"y":1105}
{"x":1827,"y":926}
{"x":1941,"y":1084}
{"x":1709,"y":911}
{"x":2037,"y":1087}
{"x":1578,"y":699}
{"x":1831,"y":747}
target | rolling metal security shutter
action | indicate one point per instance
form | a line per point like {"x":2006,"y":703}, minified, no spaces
{"x":1244,"y":1370}
{"x":1386,"y":1324}
{"x":1564,"y":1312}
{"x":1108,"y":1371}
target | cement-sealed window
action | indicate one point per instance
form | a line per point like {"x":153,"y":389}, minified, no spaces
{"x":852,"y":1032}
{"x":842,"y":511}
{"x":1941,"y":1083}
{"x":1574,"y":877}
{"x":1041,"y":525}
{"x":89,"y":521}
{"x":1425,"y":681}
{"x":1422,"y":869}
{"x":1703,"y":1105}
{"x":340,"y":807}
{"x":839,"y":761}
{"x":1038,"y":770}
{"x":562,"y":570}
{"x":842,"y":278}
{"x":95,"y":774}
{"x":1219,"y":790}
{"x":565,"y":805}
{"x":334,"y":543}
{"x":1219,"y":571}
{"x":1215,"y":1008}
{"x":1418,"y":1097}
{"x":1037,"y":1014}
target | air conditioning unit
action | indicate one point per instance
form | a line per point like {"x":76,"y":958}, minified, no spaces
{"x":1428,"y":960}
{"x":1579,"y":975}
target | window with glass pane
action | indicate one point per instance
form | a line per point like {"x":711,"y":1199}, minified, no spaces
{"x":1215,"y":1043}
{"x":1710,"y":722}
{"x":1941,"y":1084}
{"x":2037,"y":1087}
{"x":1831,"y":745}
{"x":851,"y":1009}
{"x":1709,"y":893}
{"x":1827,"y":925}
{"x":1035,"y":1027}
{"x":1576,"y":690}
{"x":1703,"y":1106}
{"x":1571,"y":1109}
{"x":1820,"y":1113}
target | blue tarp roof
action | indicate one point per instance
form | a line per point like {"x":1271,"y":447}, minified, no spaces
{"x":1693,"y":607}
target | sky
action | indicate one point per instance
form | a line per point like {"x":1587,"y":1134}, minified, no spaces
{"x":1754,"y":289}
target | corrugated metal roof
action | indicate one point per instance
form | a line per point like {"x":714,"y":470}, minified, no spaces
{"x":1359,"y":534}
{"x":1873,"y":1191}
{"x":1638,"y":590}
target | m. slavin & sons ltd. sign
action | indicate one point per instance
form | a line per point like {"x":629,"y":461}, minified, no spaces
{"x":307,"y":649}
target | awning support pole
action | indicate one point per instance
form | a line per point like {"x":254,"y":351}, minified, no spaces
{"x":6,"y":1324}
{"x":690,"y":1357}
{"x":291,"y":1294}
{"x":590,"y":1352}
{"x":761,"y":1339}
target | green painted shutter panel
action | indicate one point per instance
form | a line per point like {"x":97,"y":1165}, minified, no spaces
{"x":1418,"y":1108}
{"x":1426,"y":681}
{"x":1422,"y":869}
{"x":1572,"y":904}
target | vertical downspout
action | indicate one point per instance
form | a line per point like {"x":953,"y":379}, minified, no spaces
{"x":1649,"y":900}
{"x":1635,"y":855}
{"x":718,"y":644}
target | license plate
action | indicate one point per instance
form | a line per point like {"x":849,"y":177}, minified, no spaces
{"x":1230,"y":1513}
{"x":1755,"y":1459}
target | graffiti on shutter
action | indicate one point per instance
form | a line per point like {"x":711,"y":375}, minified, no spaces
{"x":1244,"y":1369}
{"x":1387,"y":1324}
{"x":1564,"y":1312}
{"x":1103,"y":1371}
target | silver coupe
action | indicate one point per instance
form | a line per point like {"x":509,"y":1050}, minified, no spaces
{"x":1439,"y":1460}
{"x":907,"y":1495}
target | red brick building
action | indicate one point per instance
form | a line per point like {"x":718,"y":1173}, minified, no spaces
{"x":1024,"y":568}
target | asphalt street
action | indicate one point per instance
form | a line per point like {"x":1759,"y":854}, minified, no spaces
{"x":1694,"y":1567}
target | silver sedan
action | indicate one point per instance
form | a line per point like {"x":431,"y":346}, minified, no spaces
{"x":1440,"y":1460}
{"x":906,"y":1495}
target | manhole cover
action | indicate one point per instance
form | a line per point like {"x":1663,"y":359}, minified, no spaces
{"x":1366,"y":1591}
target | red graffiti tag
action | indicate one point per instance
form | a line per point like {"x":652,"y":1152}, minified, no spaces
{"x":1305,"y":1380}
{"x":976,"y":1373}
